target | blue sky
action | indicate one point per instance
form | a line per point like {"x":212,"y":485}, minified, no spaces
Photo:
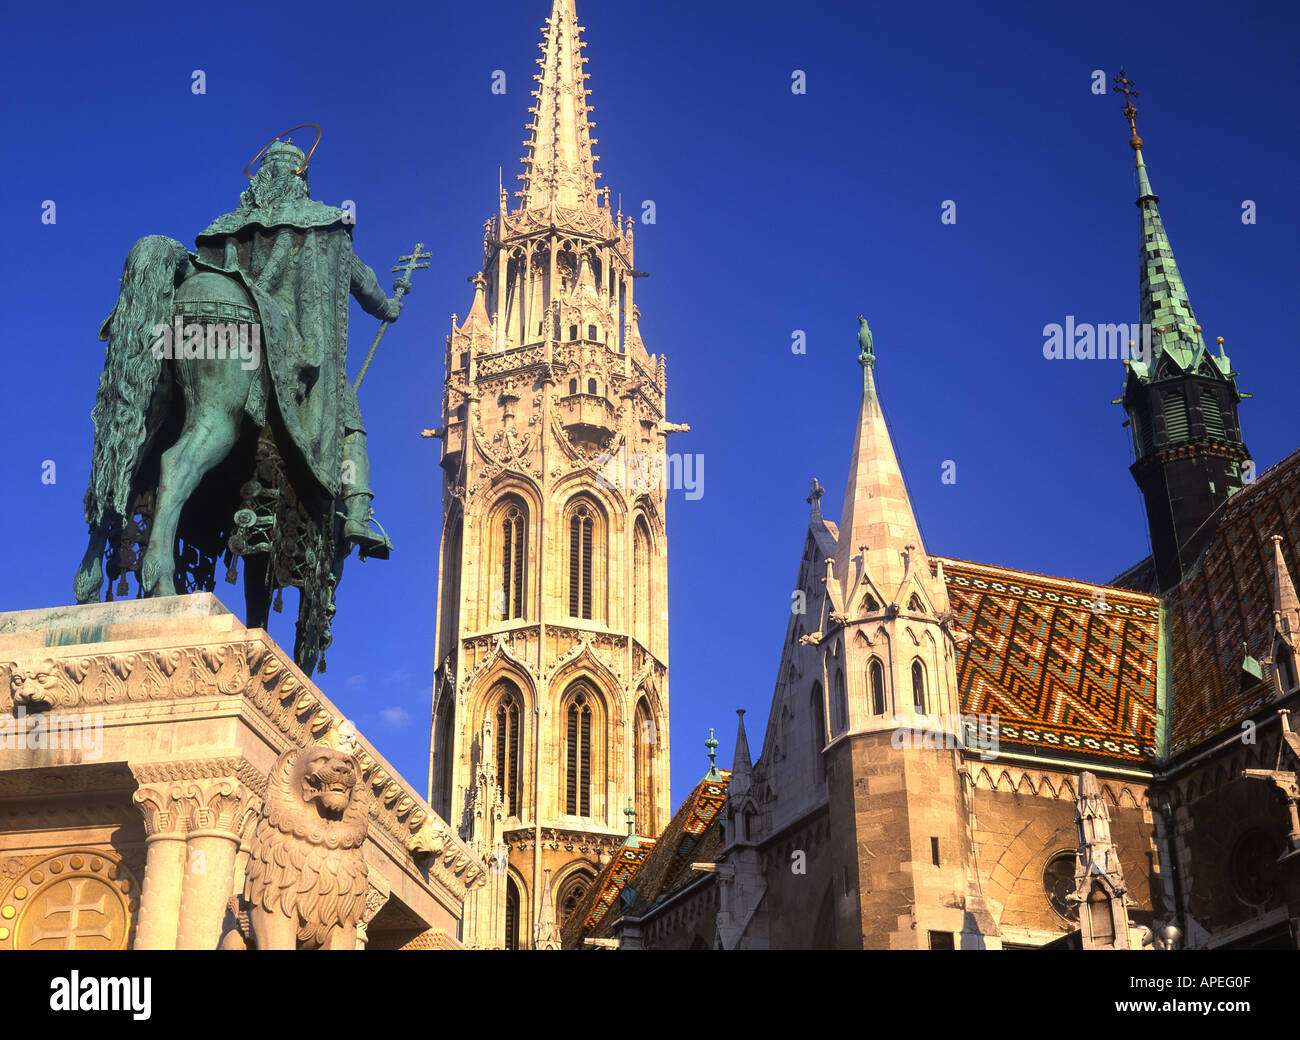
{"x":775,"y":212}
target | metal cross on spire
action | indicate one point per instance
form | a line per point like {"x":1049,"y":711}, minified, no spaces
{"x":1124,"y":85}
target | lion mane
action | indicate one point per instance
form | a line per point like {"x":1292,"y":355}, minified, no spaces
{"x":306,"y":860}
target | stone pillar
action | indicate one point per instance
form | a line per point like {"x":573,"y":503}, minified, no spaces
{"x":217,"y":811}
{"x":377,"y":893}
{"x":160,"y":900}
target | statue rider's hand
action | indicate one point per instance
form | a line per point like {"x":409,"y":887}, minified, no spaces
{"x":392,"y":308}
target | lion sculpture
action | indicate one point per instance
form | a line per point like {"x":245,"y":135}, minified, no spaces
{"x":305,"y":887}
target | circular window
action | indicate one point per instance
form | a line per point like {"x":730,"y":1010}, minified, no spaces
{"x":1252,"y":866}
{"x":1058,"y":882}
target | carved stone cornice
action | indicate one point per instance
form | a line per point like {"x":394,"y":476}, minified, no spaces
{"x":217,"y":794}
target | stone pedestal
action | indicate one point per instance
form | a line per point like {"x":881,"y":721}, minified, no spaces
{"x":135,"y":742}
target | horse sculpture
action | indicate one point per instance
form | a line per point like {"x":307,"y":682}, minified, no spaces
{"x":177,"y":457}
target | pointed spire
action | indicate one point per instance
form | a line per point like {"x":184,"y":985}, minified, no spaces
{"x":559,"y":167}
{"x":741,"y":765}
{"x":877,"y":520}
{"x":1286,"y":606}
{"x":548,"y":935}
{"x":1163,"y":299}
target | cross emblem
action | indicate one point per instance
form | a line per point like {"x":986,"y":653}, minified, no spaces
{"x":74,"y":908}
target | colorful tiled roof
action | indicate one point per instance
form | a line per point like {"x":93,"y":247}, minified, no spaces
{"x":643,"y":876}
{"x":692,"y":836}
{"x":1227,"y":602}
{"x":1068,"y":667}
{"x":604,"y":893}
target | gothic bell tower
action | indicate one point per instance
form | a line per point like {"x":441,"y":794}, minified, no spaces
{"x":552,"y":635}
{"x":1181,"y":401}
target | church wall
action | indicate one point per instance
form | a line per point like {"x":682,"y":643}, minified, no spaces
{"x":1229,"y":831}
{"x":1019,"y":832}
{"x":886,"y":804}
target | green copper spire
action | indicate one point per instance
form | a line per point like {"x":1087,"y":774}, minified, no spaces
{"x":712,"y":745}
{"x":1164,"y":303}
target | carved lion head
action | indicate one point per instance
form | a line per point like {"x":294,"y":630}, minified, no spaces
{"x":35,"y":687}
{"x":326,"y":778}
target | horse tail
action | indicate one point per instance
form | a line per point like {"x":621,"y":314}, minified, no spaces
{"x":131,"y":372}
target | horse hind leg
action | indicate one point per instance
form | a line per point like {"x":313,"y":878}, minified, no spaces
{"x":90,"y":574}
{"x":208,"y":437}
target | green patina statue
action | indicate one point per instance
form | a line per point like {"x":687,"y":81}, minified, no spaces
{"x":866,"y":355}
{"x":225,"y":425}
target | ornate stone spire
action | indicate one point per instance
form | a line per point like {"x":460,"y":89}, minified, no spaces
{"x":877,"y":520}
{"x":548,"y":935}
{"x":559,"y":168}
{"x":1099,"y":889}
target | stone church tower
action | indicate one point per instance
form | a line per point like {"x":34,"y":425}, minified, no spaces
{"x":551,"y":695}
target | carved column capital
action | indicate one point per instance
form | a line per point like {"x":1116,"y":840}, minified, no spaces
{"x":218,"y":807}
{"x":163,"y":811}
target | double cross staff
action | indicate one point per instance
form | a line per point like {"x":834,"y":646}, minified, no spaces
{"x":400,"y":288}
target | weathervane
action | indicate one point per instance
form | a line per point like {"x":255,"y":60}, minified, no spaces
{"x":1124,"y":85}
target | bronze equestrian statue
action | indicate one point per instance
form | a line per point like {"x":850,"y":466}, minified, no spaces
{"x":225,"y":425}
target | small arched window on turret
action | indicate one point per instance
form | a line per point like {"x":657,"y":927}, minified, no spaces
{"x":1212,"y":414}
{"x":573,"y":386}
{"x":573,"y":332}
{"x":591,"y":331}
{"x":841,"y":705}
{"x":915,"y":605}
{"x":918,"y":686}
{"x":876,"y":674}
{"x":1286,"y":667}
{"x":1176,"y":426}
{"x":1099,"y":913}
{"x":591,"y":387}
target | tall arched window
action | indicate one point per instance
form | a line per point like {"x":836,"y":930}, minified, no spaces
{"x":643,"y":755}
{"x":591,"y":386}
{"x":512,"y":914}
{"x":506,"y":733}
{"x":573,"y":386}
{"x":918,"y":686}
{"x":443,"y":754}
{"x":577,"y":761}
{"x":571,"y":894}
{"x":818,"y":728}
{"x":876,"y":674}
{"x":450,"y":612}
{"x":581,"y":526}
{"x":514,"y":551}
{"x":641,"y":605}
{"x":841,"y":703}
